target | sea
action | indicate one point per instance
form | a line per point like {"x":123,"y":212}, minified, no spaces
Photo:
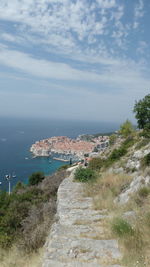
{"x":17,"y":135}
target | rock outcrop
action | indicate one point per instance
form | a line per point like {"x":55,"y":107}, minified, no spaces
{"x":136,"y":184}
{"x":140,"y":178}
{"x":77,"y":238}
{"x":134,"y":160}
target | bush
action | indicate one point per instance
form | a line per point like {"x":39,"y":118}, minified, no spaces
{"x":36,"y":226}
{"x":36,"y":178}
{"x":121,"y":227}
{"x":84,"y":175}
{"x":146,"y":161}
{"x":128,"y":142}
{"x":112,"y":139}
{"x":126,"y":129}
{"x":117,"y":153}
{"x":26,"y":214}
{"x":142,"y":143}
{"x":20,"y":187}
{"x":96,"y":163}
{"x":147,"y":217}
{"x":144,"y":192}
{"x":146,"y":133}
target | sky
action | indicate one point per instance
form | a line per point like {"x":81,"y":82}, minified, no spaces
{"x":74,"y":59}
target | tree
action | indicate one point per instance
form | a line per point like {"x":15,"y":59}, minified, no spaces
{"x":142,"y":112}
{"x":36,"y":178}
{"x":126,"y":129}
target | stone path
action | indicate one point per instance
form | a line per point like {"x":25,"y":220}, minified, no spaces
{"x":77,"y":238}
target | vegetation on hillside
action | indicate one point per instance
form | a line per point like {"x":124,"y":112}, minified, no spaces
{"x":129,"y":223}
{"x":27,"y":214}
{"x":84,"y":175}
{"x":131,"y":230}
{"x":36,"y":178}
{"x":126,"y":129}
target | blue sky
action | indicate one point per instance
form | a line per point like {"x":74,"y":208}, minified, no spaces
{"x":79,"y":59}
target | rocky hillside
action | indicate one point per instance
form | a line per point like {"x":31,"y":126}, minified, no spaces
{"x":105,"y":222}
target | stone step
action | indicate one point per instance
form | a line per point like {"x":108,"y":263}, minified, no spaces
{"x":89,"y":231}
{"x":84,"y":249}
{"x":78,"y":238}
{"x":54,"y":263}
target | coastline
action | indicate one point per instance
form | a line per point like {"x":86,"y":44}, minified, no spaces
{"x":17,"y":147}
{"x":63,"y":148}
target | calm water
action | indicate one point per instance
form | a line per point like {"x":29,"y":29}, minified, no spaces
{"x":17,"y":135}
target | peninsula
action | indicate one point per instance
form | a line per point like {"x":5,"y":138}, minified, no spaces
{"x":64,"y":148}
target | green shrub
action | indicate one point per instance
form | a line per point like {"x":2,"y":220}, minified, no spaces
{"x":146,"y":133}
{"x":146,"y":161}
{"x":36,"y":178}
{"x":121,"y":227}
{"x":117,"y":153}
{"x":144,"y":192}
{"x":142,"y":143}
{"x":5,"y":240}
{"x":26,"y":214}
{"x":128,"y":142}
{"x":112,"y":139}
{"x":84,"y":175}
{"x":147,"y":217}
{"x":126,"y":128}
{"x":96,"y":163}
{"x":19,"y":187}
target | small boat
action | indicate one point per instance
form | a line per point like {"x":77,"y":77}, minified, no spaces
{"x":26,"y":158}
{"x":0,"y":182}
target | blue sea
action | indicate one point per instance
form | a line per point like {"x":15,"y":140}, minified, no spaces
{"x":17,"y":135}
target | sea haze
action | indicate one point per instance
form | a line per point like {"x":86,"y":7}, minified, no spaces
{"x":17,"y":135}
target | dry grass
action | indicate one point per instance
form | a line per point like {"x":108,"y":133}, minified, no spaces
{"x":135,"y":247}
{"x":106,"y":188}
{"x":15,"y":258}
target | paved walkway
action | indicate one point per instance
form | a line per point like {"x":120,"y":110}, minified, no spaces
{"x":77,"y":238}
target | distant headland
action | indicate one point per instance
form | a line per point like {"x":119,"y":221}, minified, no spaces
{"x":64,"y":148}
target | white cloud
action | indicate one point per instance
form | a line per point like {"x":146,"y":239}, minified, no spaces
{"x":122,"y":76}
{"x":43,"y":68}
{"x":142,"y":47}
{"x":66,"y":24}
{"x":138,"y":13}
{"x":91,"y":37}
{"x":106,"y":3}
